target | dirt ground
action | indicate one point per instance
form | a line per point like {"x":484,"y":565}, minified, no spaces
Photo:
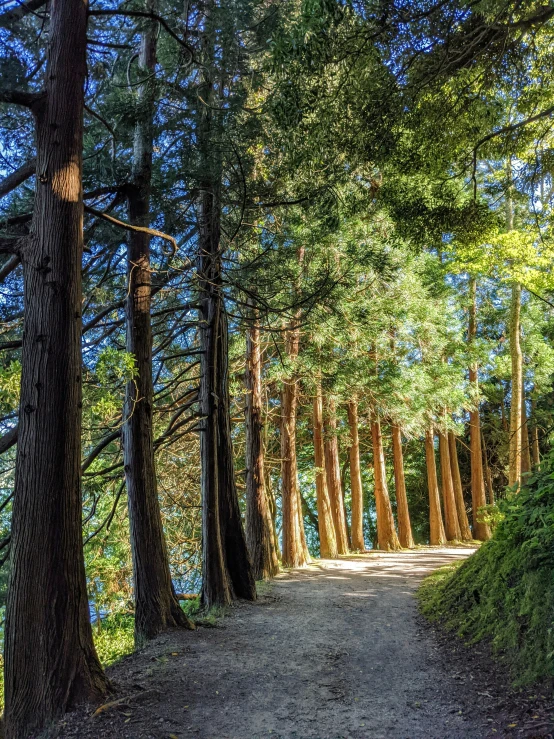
{"x":331,"y":651}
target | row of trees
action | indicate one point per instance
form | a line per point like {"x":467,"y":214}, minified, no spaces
{"x":301,"y":202}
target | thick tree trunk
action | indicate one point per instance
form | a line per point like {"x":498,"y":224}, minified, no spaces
{"x":437,"y":535}
{"x":481,"y":531}
{"x":402,"y":511}
{"x":356,"y":490}
{"x":465,"y":531}
{"x":514,"y":476}
{"x":259,"y":524}
{"x":226,"y":567}
{"x":327,"y":538}
{"x":50,"y":660}
{"x":156,"y":605}
{"x":386,"y":533}
{"x":525,"y":445}
{"x":451,"y":526}
{"x":332,"y":469}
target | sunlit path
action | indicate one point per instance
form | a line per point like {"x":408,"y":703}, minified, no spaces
{"x":333,"y":650}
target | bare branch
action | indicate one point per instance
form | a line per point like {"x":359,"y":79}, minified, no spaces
{"x":18,"y":97}
{"x":16,"y":178}
{"x":16,"y":14}
{"x":129,"y":227}
{"x":106,"y":441}
{"x":9,"y":266}
{"x":9,"y":439}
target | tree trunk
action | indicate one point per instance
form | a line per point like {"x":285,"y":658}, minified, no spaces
{"x":525,"y":445}
{"x":514,"y":476}
{"x":436,"y":528}
{"x":327,"y":538}
{"x":226,"y":568}
{"x":488,"y":478}
{"x":481,"y":531}
{"x":463,"y":523}
{"x":403,"y":514}
{"x":357,"y":526}
{"x":332,"y":469}
{"x":451,"y":525}
{"x":386,"y":533}
{"x":156,"y":605}
{"x":50,"y":660}
{"x":535,"y":449}
{"x":259,"y":524}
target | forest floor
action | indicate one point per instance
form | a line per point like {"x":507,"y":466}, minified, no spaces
{"x":331,"y":651}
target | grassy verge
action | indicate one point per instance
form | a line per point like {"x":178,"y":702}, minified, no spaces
{"x":504,"y":593}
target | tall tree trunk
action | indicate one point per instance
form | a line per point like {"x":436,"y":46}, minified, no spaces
{"x":332,"y":469}
{"x":156,"y":605}
{"x":386,"y":533}
{"x":50,"y":660}
{"x":402,"y":511}
{"x":514,"y":469}
{"x":294,"y":551}
{"x":226,"y":567}
{"x":481,"y":531}
{"x":488,"y":478}
{"x":357,"y":495}
{"x":259,"y":524}
{"x":525,"y":445}
{"x":465,"y":531}
{"x":327,"y":538}
{"x":535,"y":449}
{"x":436,"y":527}
{"x":451,"y":525}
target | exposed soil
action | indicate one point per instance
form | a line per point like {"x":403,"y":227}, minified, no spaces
{"x":331,"y":651}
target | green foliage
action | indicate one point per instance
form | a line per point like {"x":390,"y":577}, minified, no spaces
{"x":114,"y":637}
{"x":505,"y":592}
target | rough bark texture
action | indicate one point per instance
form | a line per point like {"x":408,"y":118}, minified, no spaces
{"x":327,"y":538}
{"x":50,"y":660}
{"x":514,"y":470}
{"x":465,"y":531}
{"x":156,"y":605}
{"x":332,"y":470}
{"x":451,"y":526}
{"x":386,"y":533}
{"x":259,"y":524}
{"x":356,"y":490}
{"x":481,"y":531}
{"x":226,"y":568}
{"x":525,"y":445}
{"x":402,"y":511}
{"x":437,"y":535}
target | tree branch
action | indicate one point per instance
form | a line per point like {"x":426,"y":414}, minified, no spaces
{"x":16,"y":178}
{"x":9,"y":266}
{"x":106,"y":441}
{"x":129,"y":227}
{"x":16,"y":14}
{"x":9,"y":439}
{"x":18,"y":97}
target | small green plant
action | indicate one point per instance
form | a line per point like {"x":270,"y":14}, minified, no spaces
{"x":491,"y":515}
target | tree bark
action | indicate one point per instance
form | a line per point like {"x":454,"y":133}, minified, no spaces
{"x":465,"y":531}
{"x":259,"y":524}
{"x":514,"y":476}
{"x":156,"y":604}
{"x":437,"y":535}
{"x":402,"y":511}
{"x":451,"y":525}
{"x":535,"y":449}
{"x":488,"y":478}
{"x":481,"y":531}
{"x":525,"y":445}
{"x":50,"y":659}
{"x":332,"y":470}
{"x":386,"y":532}
{"x":327,"y":538}
{"x":357,"y":494}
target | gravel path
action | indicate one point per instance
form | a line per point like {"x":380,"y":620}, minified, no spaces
{"x":331,"y":651}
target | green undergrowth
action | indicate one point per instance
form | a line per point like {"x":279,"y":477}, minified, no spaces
{"x":504,"y":593}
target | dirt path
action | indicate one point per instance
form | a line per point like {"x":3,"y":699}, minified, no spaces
{"x":333,"y":651}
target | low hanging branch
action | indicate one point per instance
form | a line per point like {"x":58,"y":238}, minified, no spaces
{"x":129,"y":227}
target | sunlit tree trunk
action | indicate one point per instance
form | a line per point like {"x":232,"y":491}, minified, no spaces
{"x":386,"y":532}
{"x":465,"y":531}
{"x":402,"y":511}
{"x":50,"y":659}
{"x":259,"y":523}
{"x":488,"y":476}
{"x":514,"y":469}
{"x":332,"y":469}
{"x":327,"y":538}
{"x":451,"y":525}
{"x":437,"y":535}
{"x":525,"y":445}
{"x":357,"y":526}
{"x":481,"y":531}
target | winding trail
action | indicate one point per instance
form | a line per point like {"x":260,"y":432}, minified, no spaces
{"x":331,"y":651}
